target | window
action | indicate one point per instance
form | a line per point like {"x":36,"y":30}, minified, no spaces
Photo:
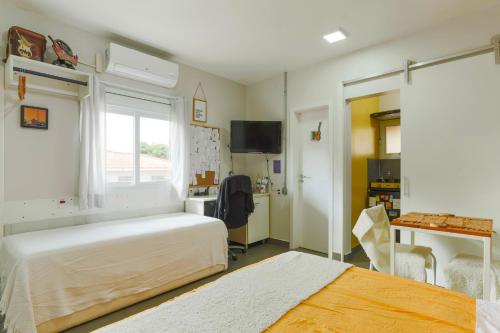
{"x":154,"y":138}
{"x":393,"y":139}
{"x":137,"y":141}
{"x":119,"y":148}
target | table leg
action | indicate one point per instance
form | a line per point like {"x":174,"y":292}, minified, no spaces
{"x":412,"y":237}
{"x":486,"y":269}
{"x":392,"y":249}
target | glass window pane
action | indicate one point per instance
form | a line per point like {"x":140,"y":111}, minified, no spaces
{"x":154,"y":143}
{"x":119,"y":148}
{"x":393,"y":139}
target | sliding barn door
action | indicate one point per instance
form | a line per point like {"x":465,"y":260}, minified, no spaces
{"x":451,"y":147}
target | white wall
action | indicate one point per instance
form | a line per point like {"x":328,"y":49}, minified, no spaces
{"x":450,"y":136}
{"x":42,"y":166}
{"x":319,"y":84}
{"x":264,"y":101}
{"x":390,"y":101}
{"x":310,"y":86}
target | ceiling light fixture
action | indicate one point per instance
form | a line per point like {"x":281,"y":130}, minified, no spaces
{"x":335,"y":36}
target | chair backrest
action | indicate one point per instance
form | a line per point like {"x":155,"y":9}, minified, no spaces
{"x":235,"y":201}
{"x":381,"y":224}
{"x":372,"y":231}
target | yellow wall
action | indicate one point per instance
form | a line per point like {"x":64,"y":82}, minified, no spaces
{"x":364,"y":145}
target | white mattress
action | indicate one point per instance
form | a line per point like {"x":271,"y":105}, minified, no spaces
{"x":52,"y":273}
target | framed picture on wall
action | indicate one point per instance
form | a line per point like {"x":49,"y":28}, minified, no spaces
{"x":199,"y":110}
{"x":34,"y":117}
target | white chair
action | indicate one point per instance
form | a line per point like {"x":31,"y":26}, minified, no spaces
{"x":464,"y":273}
{"x":372,"y":230}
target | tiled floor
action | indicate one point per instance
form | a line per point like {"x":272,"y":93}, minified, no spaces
{"x":254,"y":254}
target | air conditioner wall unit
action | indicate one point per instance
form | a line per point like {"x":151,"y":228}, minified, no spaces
{"x":135,"y":65}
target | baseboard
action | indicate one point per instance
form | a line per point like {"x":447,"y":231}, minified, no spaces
{"x":279,"y":242}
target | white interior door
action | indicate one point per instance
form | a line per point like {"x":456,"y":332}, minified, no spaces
{"x":313,"y":178}
{"x":450,"y":142}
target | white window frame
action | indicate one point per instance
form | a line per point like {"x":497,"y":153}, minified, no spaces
{"x":137,"y":114}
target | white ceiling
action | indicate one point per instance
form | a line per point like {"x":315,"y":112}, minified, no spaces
{"x":251,"y":40}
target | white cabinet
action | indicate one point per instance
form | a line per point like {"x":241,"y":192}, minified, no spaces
{"x":258,"y":222}
{"x":257,"y":228}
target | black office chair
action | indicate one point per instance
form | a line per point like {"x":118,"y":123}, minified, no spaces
{"x":234,"y":205}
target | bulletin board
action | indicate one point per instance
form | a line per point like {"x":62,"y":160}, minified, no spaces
{"x":205,"y":156}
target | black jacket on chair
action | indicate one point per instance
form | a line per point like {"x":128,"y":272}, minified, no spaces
{"x":235,"y":201}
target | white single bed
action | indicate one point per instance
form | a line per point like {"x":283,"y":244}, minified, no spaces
{"x":59,"y":278}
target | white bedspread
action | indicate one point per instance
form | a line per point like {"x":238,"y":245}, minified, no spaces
{"x":248,"y":300}
{"x":51,"y":273}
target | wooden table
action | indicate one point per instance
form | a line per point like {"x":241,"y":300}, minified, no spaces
{"x":468,"y":230}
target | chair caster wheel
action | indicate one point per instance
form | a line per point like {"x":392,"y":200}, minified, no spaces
{"x":233,"y":257}
{"x":244,"y":251}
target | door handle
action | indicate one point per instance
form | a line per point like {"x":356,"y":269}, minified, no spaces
{"x":302,"y":177}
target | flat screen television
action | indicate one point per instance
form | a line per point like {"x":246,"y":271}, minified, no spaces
{"x":255,"y":137}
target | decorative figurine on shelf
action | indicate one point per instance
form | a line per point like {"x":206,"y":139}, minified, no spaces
{"x":65,"y":56}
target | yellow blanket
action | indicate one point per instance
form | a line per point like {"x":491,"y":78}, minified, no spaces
{"x":365,"y":301}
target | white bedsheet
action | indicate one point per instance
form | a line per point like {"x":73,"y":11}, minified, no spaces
{"x":52,"y":273}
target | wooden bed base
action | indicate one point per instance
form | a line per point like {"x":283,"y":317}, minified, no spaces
{"x":98,"y":310}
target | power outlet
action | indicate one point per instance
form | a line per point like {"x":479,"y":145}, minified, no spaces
{"x":64,"y":202}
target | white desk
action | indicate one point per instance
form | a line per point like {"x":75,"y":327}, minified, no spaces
{"x":258,"y":227}
{"x":486,"y":249}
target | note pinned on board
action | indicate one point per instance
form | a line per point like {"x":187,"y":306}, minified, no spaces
{"x":205,"y":155}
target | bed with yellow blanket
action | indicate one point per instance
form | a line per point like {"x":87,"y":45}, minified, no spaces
{"x":365,"y":301}
{"x":357,"y":300}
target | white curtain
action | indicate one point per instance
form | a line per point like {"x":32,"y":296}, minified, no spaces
{"x":180,"y":146}
{"x":92,"y":147}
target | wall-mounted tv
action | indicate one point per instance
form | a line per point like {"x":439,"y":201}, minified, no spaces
{"x":255,"y":137}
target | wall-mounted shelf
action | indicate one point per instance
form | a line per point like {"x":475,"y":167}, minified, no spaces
{"x":47,"y":78}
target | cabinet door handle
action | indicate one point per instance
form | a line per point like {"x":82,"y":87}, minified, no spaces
{"x":406,"y":186}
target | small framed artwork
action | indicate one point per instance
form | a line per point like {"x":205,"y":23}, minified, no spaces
{"x":34,"y":117}
{"x":199,"y":110}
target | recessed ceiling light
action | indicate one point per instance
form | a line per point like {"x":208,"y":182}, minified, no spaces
{"x":335,"y":36}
